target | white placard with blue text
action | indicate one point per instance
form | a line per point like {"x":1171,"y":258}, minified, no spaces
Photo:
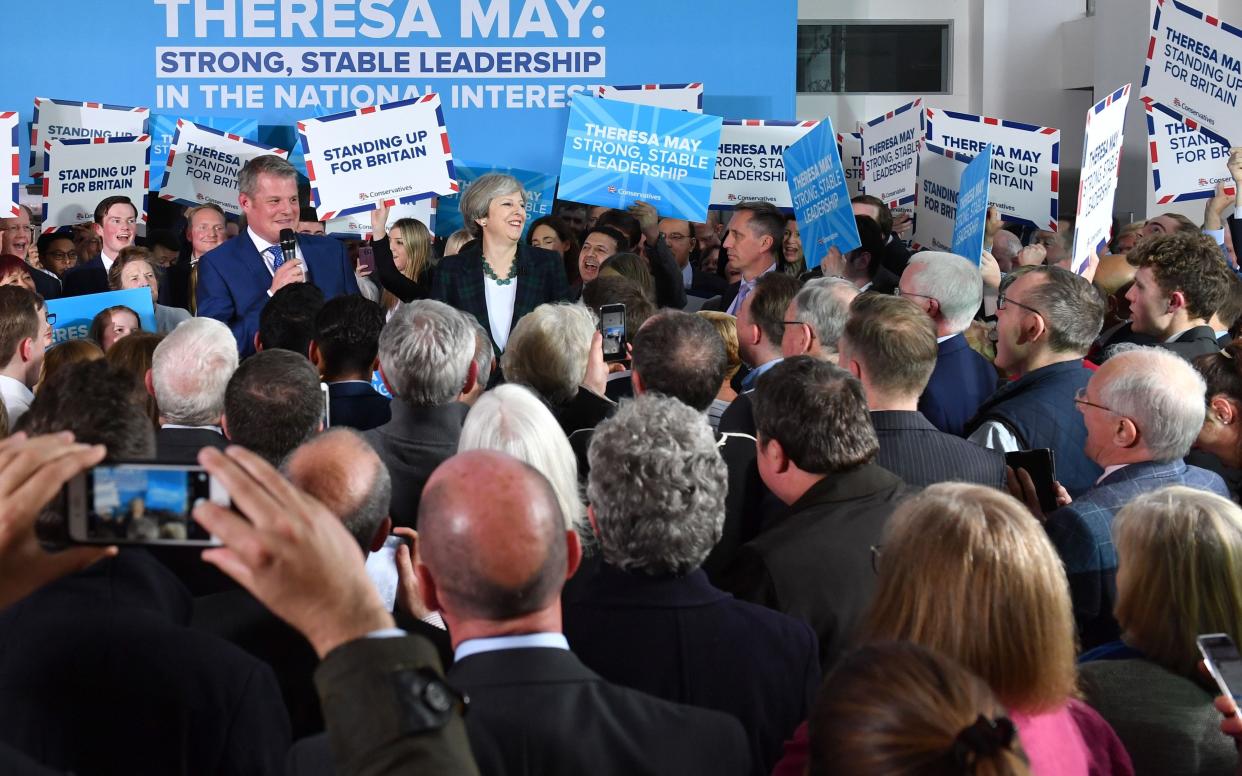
{"x":750,"y":166}
{"x":1185,"y":164}
{"x":1101,"y":164}
{"x":935,"y":205}
{"x":75,"y":120}
{"x":820,"y":197}
{"x":890,"y":154}
{"x":687,"y":97}
{"x":849,"y":145}
{"x":616,"y":153}
{"x":358,"y":225}
{"x":75,"y":313}
{"x":1026,"y":161}
{"x":972,"y":207}
{"x":78,"y":174}
{"x":398,"y":152}
{"x":203,"y":164}
{"x":540,"y":191}
{"x":1194,"y":69}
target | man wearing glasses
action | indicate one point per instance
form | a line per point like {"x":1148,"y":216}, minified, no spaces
{"x":16,"y":234}
{"x":679,"y":236}
{"x":204,"y":231}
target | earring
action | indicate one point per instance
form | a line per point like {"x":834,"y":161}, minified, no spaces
{"x":482,"y":222}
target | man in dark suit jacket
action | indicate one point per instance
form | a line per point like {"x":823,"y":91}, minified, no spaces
{"x":894,"y":255}
{"x":236,"y":280}
{"x":493,"y":561}
{"x":116,"y":223}
{"x":1180,"y":284}
{"x":190,"y":371}
{"x":816,"y":453}
{"x":426,"y":415}
{"x":650,"y":619}
{"x":889,"y":344}
{"x":345,"y":346}
{"x":1143,"y":409}
{"x":949,"y":289}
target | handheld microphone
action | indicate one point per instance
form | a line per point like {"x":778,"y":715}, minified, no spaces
{"x":288,"y":245}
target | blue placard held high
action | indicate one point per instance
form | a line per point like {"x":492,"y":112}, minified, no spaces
{"x":618,"y":152}
{"x":820,"y":197}
{"x":972,"y":207}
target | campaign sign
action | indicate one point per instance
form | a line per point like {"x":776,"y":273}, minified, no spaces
{"x":1026,"y":161}
{"x":972,"y":207}
{"x":1185,"y":164}
{"x":75,"y":313}
{"x":849,"y":145}
{"x":73,"y":120}
{"x":77,"y":174}
{"x":386,"y":154}
{"x":820,"y":197}
{"x":540,"y":193}
{"x":203,"y":164}
{"x":890,"y":150}
{"x":750,"y":166}
{"x":10,"y":168}
{"x":935,"y":205}
{"x":616,"y":153}
{"x":1101,"y":164}
{"x":1194,"y":69}
{"x":687,"y":97}
{"x":358,"y":225}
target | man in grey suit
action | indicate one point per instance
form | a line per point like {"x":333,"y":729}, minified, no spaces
{"x":1143,"y":410}
{"x":889,"y":344}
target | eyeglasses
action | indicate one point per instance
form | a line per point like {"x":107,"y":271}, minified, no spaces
{"x":810,"y":330}
{"x":898,"y":292}
{"x":61,"y":255}
{"x":1080,"y":397}
{"x":675,"y":237}
{"x":16,"y":228}
{"x":51,"y":319}
{"x":208,"y":229}
{"x":875,"y":557}
{"x":1002,"y":300}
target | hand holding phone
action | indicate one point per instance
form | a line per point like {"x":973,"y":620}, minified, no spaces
{"x":1221,"y":656}
{"x":612,"y":327}
{"x":1040,"y":465}
{"x":140,"y":503}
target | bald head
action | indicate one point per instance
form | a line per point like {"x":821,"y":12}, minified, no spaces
{"x":340,"y":469}
{"x":492,"y":537}
{"x":1005,"y":246}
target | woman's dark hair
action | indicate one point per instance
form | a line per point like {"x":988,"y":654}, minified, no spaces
{"x":633,"y":267}
{"x":565,"y":235}
{"x":103,"y":319}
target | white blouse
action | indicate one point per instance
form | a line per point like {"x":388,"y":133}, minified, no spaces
{"x":500,"y":300}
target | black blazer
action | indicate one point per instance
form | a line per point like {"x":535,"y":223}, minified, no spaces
{"x":920,"y":454}
{"x":88,"y":278}
{"x":1193,"y":342}
{"x":541,"y":711}
{"x":181,"y":445}
{"x":357,"y":405}
{"x":47,"y":285}
{"x":680,"y":639}
{"x":458,"y":281}
{"x":815,"y":562}
{"x":412,"y":445}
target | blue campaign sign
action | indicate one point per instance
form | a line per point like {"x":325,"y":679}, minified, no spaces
{"x":972,"y":207}
{"x":617,"y":152}
{"x":540,"y":192}
{"x":820,"y":197}
{"x":505,"y":69}
{"x":75,"y":313}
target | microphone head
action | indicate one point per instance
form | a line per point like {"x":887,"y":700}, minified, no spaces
{"x":287,"y":236}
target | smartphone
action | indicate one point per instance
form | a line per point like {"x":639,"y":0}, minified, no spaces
{"x":140,"y":503}
{"x":1041,"y":465}
{"x":366,"y":259}
{"x":612,"y":326}
{"x":327,"y":405}
{"x":1223,"y":661}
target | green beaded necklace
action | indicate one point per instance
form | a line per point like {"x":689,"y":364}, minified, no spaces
{"x":487,"y":270}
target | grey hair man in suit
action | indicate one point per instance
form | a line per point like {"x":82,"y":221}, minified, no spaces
{"x":189,"y":372}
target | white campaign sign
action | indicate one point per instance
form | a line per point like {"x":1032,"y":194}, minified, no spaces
{"x":380,"y":154}
{"x":1026,"y":164}
{"x":935,"y":204}
{"x":359,"y":224}
{"x":203,"y":164}
{"x":1185,"y":164}
{"x":688,"y":97}
{"x":80,"y":173}
{"x":890,"y":148}
{"x":72,"y":120}
{"x":1194,"y":69}
{"x":750,"y":165}
{"x":850,"y":145}
{"x":1101,"y":163}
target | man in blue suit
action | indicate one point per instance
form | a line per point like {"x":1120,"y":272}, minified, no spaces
{"x":236,"y":280}
{"x":1143,"y":410}
{"x":949,"y":288}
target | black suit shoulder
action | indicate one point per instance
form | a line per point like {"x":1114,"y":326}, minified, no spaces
{"x":922,"y":455}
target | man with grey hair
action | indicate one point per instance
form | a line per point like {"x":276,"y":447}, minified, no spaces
{"x":949,"y":288}
{"x":484,"y":363}
{"x":236,"y":279}
{"x":816,"y":317}
{"x":426,"y":358}
{"x":650,"y":619}
{"x":1046,"y":320}
{"x":189,"y":372}
{"x":1142,"y":409}
{"x":1005,"y":249}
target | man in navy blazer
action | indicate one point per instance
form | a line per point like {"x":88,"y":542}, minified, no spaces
{"x":116,"y":223}
{"x":1143,"y":410}
{"x":236,"y":280}
{"x":949,"y":288}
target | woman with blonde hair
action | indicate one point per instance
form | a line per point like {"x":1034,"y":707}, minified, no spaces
{"x":967,"y":571}
{"x":403,"y":261}
{"x":1179,"y":574}
{"x":726,"y":327}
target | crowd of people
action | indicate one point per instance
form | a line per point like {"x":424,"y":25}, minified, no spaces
{"x":793,"y":529}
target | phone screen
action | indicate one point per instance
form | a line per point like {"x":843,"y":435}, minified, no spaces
{"x":366,"y":258}
{"x":1040,"y":465}
{"x":612,"y":326}
{"x":1224,"y":662}
{"x":148,"y":504}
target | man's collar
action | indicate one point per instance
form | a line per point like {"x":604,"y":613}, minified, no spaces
{"x":770,"y":268}
{"x":497,"y":643}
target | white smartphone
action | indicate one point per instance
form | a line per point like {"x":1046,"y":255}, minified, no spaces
{"x":1223,"y":662}
{"x":141,"y":503}
{"x":327,"y":405}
